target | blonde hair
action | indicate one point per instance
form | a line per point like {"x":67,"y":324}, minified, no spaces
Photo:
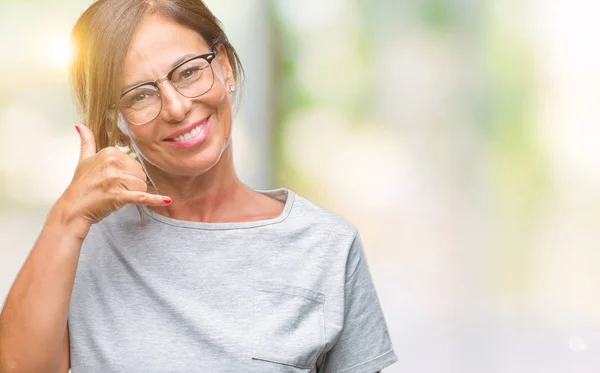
{"x":101,"y":38}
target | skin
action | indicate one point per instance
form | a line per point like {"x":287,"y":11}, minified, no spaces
{"x":201,"y":180}
{"x":196,"y":184}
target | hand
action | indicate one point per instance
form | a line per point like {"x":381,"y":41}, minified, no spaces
{"x":103,"y":183}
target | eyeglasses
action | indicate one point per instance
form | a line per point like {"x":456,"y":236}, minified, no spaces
{"x":191,"y":78}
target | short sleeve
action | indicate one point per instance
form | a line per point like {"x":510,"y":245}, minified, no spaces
{"x":364,"y":344}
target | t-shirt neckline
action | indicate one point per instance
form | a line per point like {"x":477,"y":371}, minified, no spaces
{"x":284,"y":195}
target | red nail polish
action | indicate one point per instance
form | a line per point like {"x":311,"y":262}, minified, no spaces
{"x":77,"y":128}
{"x":168,"y":201}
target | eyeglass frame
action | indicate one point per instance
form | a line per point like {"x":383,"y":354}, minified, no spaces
{"x":208,"y":57}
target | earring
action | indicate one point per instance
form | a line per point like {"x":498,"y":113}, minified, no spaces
{"x":125,"y":149}
{"x":231,"y":88}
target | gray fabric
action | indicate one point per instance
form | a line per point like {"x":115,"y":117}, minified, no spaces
{"x":290,"y":294}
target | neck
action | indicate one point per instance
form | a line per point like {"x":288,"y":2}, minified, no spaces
{"x":210,"y":197}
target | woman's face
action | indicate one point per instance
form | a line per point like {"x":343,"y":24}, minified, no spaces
{"x":166,"y":142}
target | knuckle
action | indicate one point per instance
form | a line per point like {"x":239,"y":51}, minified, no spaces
{"x":111,"y":177}
{"x":112,"y":182}
{"x":141,"y":198}
{"x":106,"y":186}
{"x":113,"y":161}
{"x":114,"y":194}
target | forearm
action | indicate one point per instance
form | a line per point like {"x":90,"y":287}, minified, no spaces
{"x":34,"y":318}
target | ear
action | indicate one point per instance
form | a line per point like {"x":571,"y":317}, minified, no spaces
{"x":224,"y":65}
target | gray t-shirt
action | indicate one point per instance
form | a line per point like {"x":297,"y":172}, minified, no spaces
{"x":289,"y":294}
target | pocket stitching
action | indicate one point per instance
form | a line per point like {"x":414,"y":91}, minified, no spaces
{"x":290,"y":289}
{"x":315,"y":299}
{"x":318,"y":298}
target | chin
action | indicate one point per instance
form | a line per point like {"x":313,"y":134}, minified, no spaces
{"x":200,"y":162}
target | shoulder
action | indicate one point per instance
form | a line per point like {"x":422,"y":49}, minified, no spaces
{"x":317,"y":219}
{"x":321,"y":215}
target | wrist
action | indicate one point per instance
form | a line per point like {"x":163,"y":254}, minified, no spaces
{"x":61,"y":218}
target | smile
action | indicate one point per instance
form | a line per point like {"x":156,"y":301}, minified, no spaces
{"x":189,"y":135}
{"x":194,"y":135}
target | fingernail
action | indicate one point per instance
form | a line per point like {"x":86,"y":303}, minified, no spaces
{"x":167,"y":201}
{"x":77,"y":128}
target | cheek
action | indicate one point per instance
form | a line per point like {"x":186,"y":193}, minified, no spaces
{"x":224,"y":114}
{"x":216,"y":100}
{"x":143,"y":138}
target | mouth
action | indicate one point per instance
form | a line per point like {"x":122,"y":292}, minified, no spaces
{"x":188,"y":133}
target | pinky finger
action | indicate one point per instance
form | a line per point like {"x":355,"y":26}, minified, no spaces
{"x":142,"y":198}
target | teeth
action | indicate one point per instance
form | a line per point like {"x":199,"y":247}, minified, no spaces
{"x":189,"y":135}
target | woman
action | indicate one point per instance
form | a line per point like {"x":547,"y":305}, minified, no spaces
{"x":195,"y":272}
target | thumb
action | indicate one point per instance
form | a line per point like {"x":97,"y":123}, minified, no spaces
{"x":88,"y":142}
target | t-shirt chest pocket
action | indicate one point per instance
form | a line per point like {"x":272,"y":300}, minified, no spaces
{"x":289,"y":325}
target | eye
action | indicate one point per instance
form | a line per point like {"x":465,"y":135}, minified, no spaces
{"x":139,"y":97}
{"x":188,"y":73}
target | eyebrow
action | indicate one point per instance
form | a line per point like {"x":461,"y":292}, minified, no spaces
{"x":177,"y":62}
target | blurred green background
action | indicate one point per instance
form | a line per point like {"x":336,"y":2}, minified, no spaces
{"x":461,"y":137}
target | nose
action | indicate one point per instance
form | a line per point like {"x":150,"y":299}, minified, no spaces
{"x":175,"y":106}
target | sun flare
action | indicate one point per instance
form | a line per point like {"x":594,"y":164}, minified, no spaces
{"x":59,"y":50}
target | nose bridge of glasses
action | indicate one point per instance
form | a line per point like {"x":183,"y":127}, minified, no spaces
{"x":170,"y":97}
{"x":168,"y":85}
{"x":160,"y":80}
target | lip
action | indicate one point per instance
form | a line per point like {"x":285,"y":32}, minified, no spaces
{"x":194,"y":140}
{"x":187,"y":129}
